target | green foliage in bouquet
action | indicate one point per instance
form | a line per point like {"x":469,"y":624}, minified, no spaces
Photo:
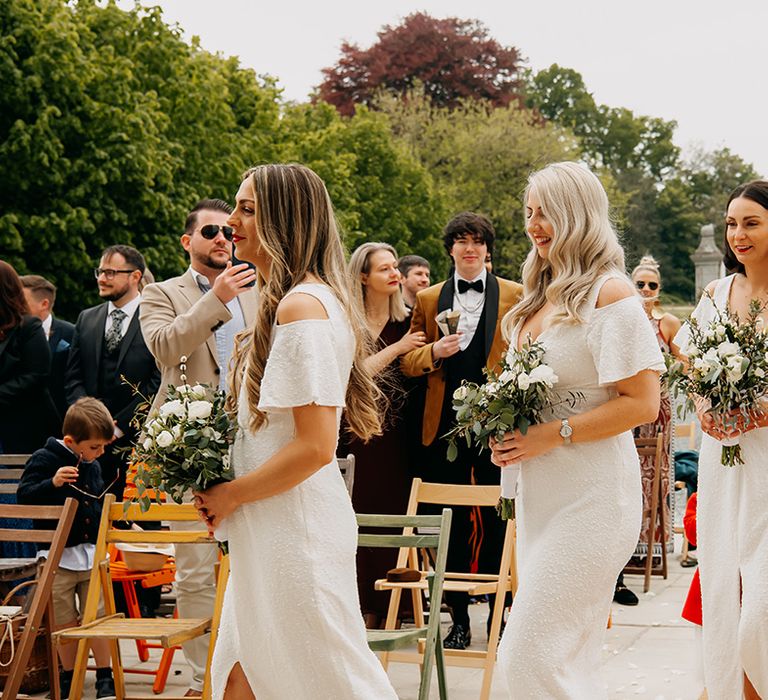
{"x":727,"y":365}
{"x":511,"y":399}
{"x":184,"y":444}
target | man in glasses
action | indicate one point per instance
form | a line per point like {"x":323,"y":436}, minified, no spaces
{"x":197,"y":315}
{"x":108,"y":351}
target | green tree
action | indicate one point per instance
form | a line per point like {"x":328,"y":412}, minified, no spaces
{"x":480,"y":159}
{"x":380,"y":192}
{"x":110,"y":128}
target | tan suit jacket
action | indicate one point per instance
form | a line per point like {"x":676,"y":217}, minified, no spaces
{"x":501,"y":295}
{"x":177,"y":319}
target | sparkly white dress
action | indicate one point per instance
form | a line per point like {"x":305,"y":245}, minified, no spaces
{"x":291,"y":610}
{"x":578,"y":513}
{"x":732,"y":546}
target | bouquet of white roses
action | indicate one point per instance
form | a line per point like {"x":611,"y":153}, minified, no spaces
{"x":184,"y":445}
{"x":512,"y":399}
{"x":727,"y":366}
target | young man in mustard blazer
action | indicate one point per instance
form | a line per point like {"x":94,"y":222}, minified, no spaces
{"x":482,"y":299}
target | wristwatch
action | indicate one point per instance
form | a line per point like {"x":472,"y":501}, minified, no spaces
{"x":566,"y":431}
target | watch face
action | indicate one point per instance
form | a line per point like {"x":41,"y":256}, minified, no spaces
{"x":566,"y":431}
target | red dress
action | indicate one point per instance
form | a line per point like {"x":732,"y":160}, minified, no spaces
{"x":692,"y":607}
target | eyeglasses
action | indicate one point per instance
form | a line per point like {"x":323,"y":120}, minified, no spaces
{"x":88,"y":493}
{"x":110,"y":274}
{"x":210,"y":231}
{"x":653,"y":286}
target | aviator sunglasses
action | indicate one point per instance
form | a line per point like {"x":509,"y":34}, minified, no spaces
{"x":653,"y":286}
{"x":209,"y":231}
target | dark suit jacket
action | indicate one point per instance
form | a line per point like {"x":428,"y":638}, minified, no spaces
{"x":135,"y":363}
{"x":27,"y":413}
{"x":59,"y":341}
{"x":501,"y":295}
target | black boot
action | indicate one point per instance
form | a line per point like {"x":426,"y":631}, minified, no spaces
{"x":459,"y":636}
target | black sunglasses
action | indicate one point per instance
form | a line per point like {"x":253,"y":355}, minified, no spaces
{"x":210,"y":231}
{"x":653,"y":286}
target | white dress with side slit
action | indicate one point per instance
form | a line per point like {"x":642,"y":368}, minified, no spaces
{"x":291,"y":613}
{"x":732,"y":547}
{"x":578,"y":512}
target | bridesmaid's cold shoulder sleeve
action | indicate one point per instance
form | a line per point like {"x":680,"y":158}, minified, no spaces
{"x":303,"y":368}
{"x":622,"y":341}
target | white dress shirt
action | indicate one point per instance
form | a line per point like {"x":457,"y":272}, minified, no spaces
{"x":471,"y":306}
{"x":47,"y":325}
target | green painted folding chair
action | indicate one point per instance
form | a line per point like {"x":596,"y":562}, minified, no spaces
{"x":427,"y":638}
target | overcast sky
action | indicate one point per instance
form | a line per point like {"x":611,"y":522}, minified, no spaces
{"x":699,"y":62}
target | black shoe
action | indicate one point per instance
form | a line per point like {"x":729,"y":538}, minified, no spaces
{"x":459,"y":637}
{"x":623,"y":596}
{"x":65,"y":683}
{"x":105,"y":688}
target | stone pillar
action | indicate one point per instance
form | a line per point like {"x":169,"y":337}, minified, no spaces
{"x":707,"y":259}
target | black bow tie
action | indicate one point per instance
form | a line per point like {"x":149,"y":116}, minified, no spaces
{"x":465,"y":286}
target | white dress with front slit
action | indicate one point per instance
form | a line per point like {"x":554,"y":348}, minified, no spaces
{"x":291,"y":613}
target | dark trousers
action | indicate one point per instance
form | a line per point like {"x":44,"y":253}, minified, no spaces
{"x":477,"y":534}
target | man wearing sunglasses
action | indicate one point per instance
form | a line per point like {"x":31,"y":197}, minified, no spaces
{"x":197,"y":315}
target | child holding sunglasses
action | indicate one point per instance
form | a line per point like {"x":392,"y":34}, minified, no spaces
{"x":67,"y":468}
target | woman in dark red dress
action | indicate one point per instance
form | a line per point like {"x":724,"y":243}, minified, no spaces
{"x":382,"y":466}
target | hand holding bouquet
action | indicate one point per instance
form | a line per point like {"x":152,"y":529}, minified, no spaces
{"x":512,"y":399}
{"x":185,"y":444}
{"x":728,"y":368}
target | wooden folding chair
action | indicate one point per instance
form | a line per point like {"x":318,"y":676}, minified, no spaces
{"x":14,"y":569}
{"x":347,"y":468}
{"x":472,"y":584}
{"x":40,"y":612}
{"x":427,"y":638}
{"x":114,"y":626}
{"x":653,"y":447}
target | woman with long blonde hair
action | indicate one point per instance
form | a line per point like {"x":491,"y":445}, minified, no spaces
{"x":291,"y":625}
{"x":579,"y":501}
{"x":382,"y":466}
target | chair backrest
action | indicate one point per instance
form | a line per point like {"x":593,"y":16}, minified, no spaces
{"x":650,"y":446}
{"x":687,"y":430}
{"x":59,"y":514}
{"x":10,"y":478}
{"x":115,"y":512}
{"x":14,"y":460}
{"x":455,"y":494}
{"x":347,"y":468}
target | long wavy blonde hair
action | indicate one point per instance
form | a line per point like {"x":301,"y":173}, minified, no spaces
{"x":584,"y":246}
{"x":297,"y":230}
{"x":360,"y":264}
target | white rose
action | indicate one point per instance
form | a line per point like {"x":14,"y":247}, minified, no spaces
{"x":172,"y":408}
{"x":543,"y":374}
{"x":759,"y":373}
{"x":184,"y":389}
{"x":736,"y":367}
{"x":147,"y":444}
{"x":176,"y":430}
{"x":164,"y":439}
{"x":523,"y":381}
{"x":199,"y":409}
{"x":700,"y":365}
{"x":726,"y":349}
{"x":720,"y":330}
{"x":199,"y":391}
{"x":154,"y":427}
{"x":460,"y":394}
{"x":507,"y":376}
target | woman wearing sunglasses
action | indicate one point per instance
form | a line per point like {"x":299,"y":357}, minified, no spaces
{"x":647,"y":280}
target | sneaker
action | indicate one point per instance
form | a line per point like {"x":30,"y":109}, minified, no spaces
{"x":105,"y":688}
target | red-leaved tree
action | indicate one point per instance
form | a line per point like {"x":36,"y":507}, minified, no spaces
{"x":451,"y":58}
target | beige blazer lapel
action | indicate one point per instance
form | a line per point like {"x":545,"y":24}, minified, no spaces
{"x":191,"y":291}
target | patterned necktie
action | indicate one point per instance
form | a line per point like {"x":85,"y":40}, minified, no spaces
{"x":114,"y":333}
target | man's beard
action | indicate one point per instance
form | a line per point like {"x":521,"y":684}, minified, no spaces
{"x":115,"y":296}
{"x":210,"y":263}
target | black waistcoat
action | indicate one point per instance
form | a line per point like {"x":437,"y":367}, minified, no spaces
{"x":109,"y":379}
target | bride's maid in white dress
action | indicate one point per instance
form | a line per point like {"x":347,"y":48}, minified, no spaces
{"x":291,"y":626}
{"x":579,"y":497}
